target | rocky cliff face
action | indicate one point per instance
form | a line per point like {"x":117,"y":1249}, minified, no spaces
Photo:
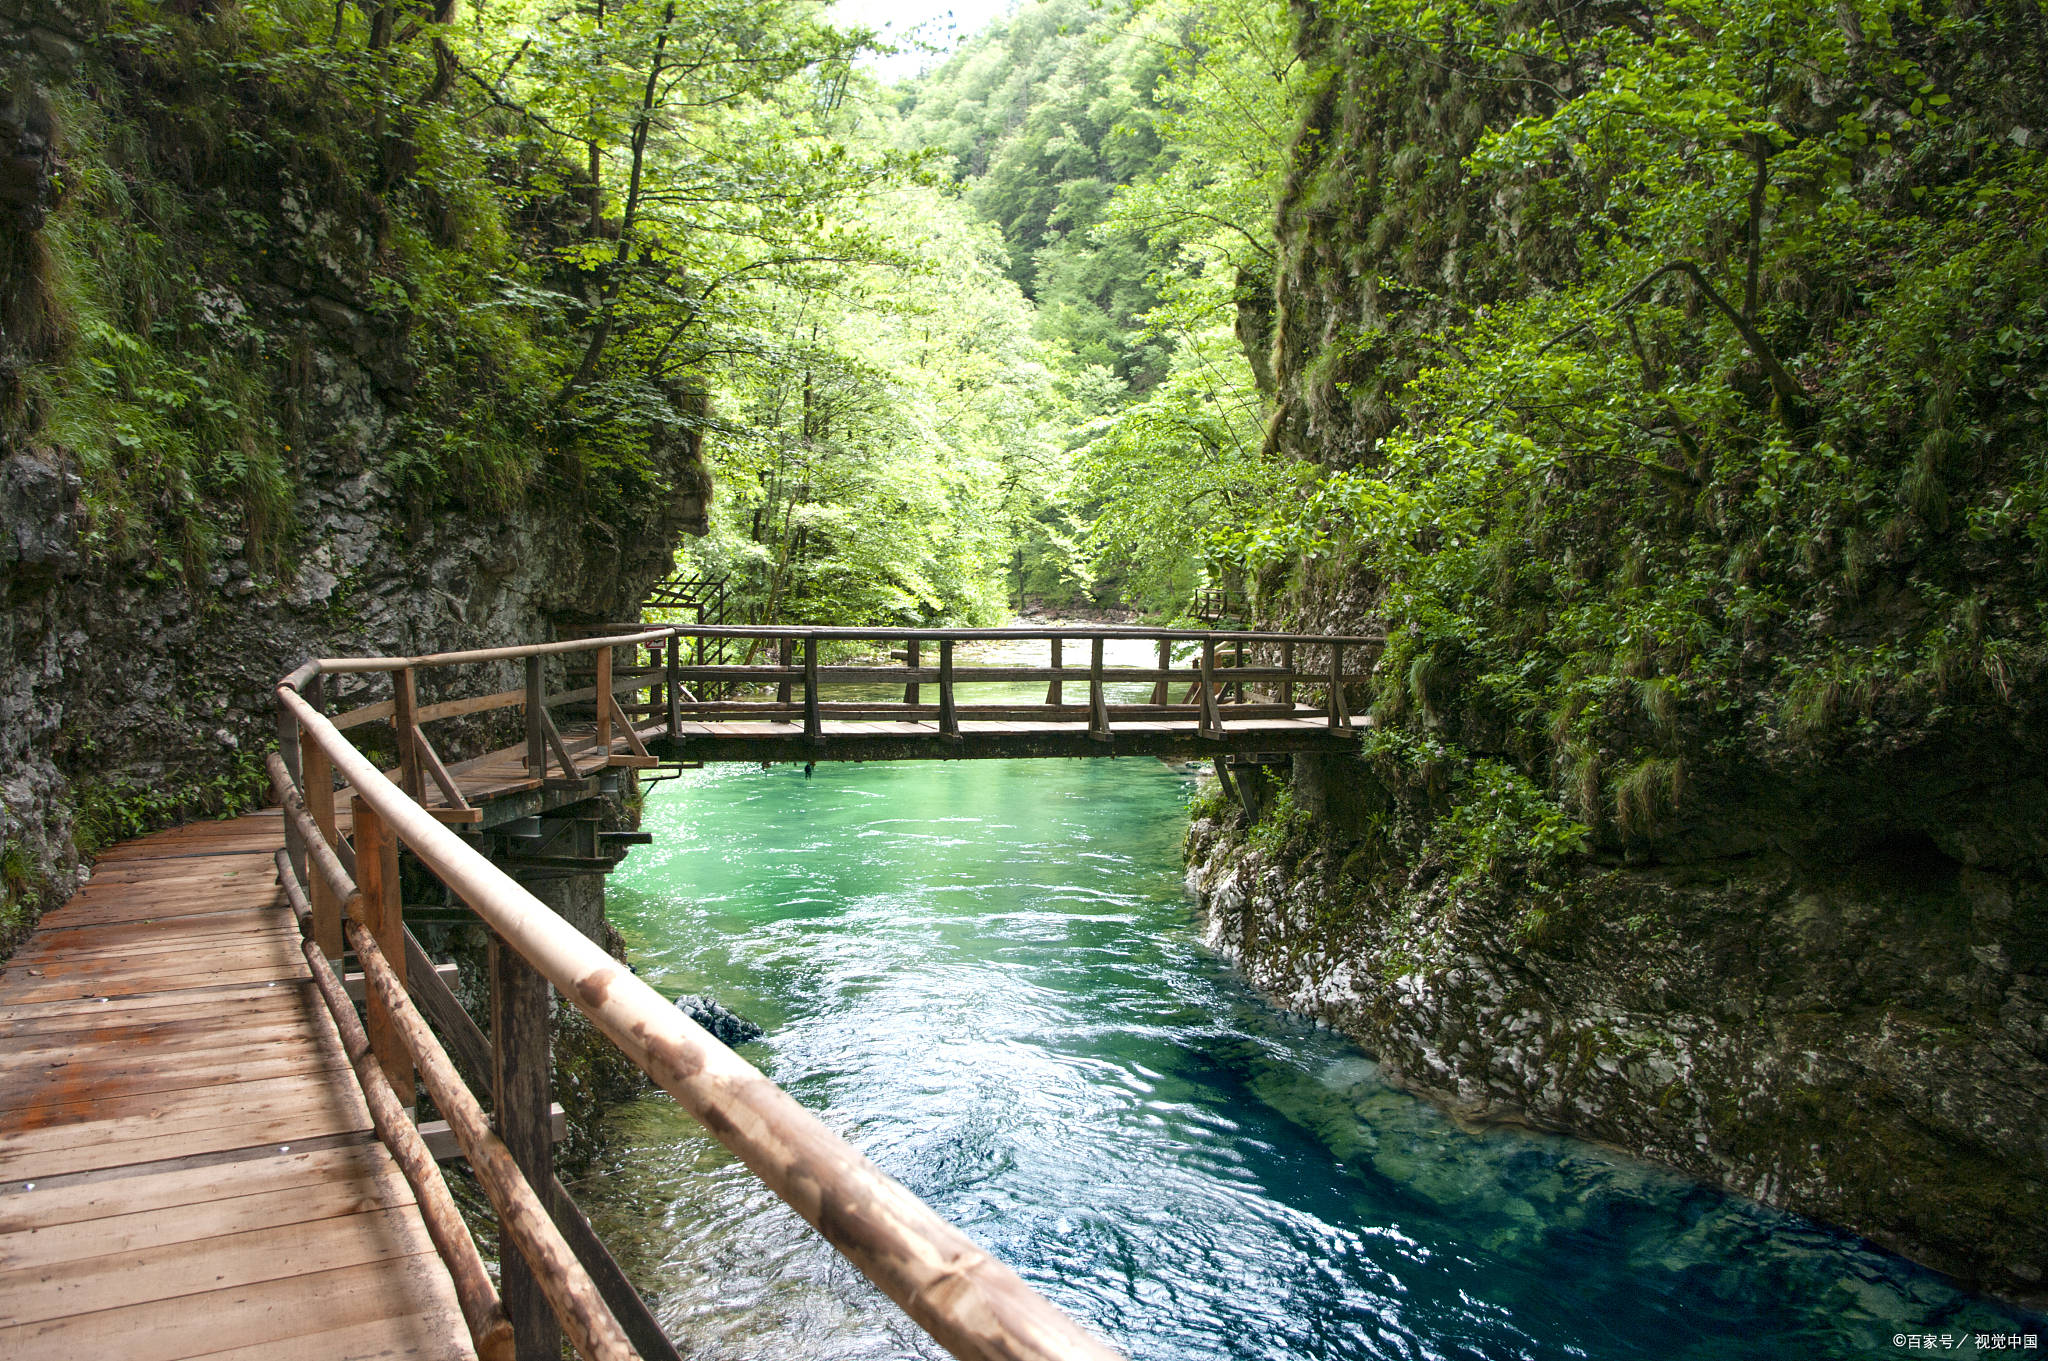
{"x":1763,"y":898}
{"x":136,"y":689}
{"x":143,"y":700}
{"x":1851,"y":1032}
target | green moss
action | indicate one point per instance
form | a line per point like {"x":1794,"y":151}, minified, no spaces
{"x":1283,"y":828}
{"x":1647,"y":794}
{"x":590,"y":1077}
{"x":106,"y":811}
{"x":15,"y":870}
{"x":1208,"y":802}
{"x":17,"y":899}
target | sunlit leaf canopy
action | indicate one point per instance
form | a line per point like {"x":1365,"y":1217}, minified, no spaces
{"x":886,"y":433}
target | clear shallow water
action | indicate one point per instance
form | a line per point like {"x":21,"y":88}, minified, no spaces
{"x":987,"y":976}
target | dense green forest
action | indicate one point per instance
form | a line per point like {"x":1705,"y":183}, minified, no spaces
{"x":908,"y":327}
{"x":1684,"y":385}
{"x":1096,"y":183}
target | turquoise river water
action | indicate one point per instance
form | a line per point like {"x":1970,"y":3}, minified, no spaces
{"x":987,"y":975}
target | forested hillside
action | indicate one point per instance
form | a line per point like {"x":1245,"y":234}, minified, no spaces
{"x":1131,"y":157}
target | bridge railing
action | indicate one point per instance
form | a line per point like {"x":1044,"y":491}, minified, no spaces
{"x":1218,"y":677}
{"x":347,"y":889}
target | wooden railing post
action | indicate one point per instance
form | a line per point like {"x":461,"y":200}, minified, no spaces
{"x":785,"y":653}
{"x":1208,"y":723}
{"x":949,"y":717}
{"x":674,"y":688}
{"x":521,"y":1089}
{"x":1340,"y":714}
{"x":604,"y":702}
{"x":814,"y":727}
{"x":405,"y":703}
{"x":1237,"y":690}
{"x":289,"y":749}
{"x":1052,"y":690}
{"x":1287,"y":682}
{"x":316,"y":788}
{"x":1160,"y":694}
{"x":911,"y":653}
{"x":379,"y":909}
{"x":1098,"y":709}
{"x":536,"y":729}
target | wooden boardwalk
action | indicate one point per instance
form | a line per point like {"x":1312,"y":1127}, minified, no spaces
{"x":187,"y":1166}
{"x":500,"y":785}
{"x":990,"y":739}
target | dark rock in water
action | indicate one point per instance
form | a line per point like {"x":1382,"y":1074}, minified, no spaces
{"x":728,"y":1026}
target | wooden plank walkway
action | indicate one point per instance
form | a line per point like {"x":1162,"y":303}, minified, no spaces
{"x":990,"y":739}
{"x":497,"y":774}
{"x":493,"y":784}
{"x":187,"y":1167}
{"x":498,"y":785}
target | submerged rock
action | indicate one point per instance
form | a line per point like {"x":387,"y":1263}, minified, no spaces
{"x":725,"y":1024}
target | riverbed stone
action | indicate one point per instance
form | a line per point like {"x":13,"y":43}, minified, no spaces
{"x":724,"y":1024}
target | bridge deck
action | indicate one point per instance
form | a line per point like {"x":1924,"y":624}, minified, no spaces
{"x":187,"y":1167}
{"x":984,"y":739}
{"x":498,"y":784}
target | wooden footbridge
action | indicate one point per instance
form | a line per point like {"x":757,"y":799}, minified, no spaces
{"x":205,"y":1150}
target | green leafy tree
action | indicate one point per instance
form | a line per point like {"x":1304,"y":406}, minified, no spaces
{"x":905,"y":447}
{"x":1185,"y":462}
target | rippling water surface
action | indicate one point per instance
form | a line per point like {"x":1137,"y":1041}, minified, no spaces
{"x":987,"y":976}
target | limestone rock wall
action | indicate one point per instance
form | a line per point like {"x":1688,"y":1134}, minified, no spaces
{"x":1821,"y":978}
{"x":136,"y":688}
{"x":152,"y":690}
{"x":1862,"y":1041}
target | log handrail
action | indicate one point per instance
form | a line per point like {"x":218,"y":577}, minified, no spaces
{"x":332,"y":666}
{"x":852,"y":633}
{"x":526,"y":1213}
{"x":490,"y":1330}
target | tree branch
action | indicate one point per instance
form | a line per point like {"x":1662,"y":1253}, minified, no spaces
{"x":1186,"y":213}
{"x":1758,"y":149}
{"x":1678,"y":425}
{"x":1791,"y":401}
{"x":613,"y":285}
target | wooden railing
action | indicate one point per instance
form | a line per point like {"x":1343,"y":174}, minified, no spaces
{"x":345,"y":890}
{"x":1219,"y":676}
